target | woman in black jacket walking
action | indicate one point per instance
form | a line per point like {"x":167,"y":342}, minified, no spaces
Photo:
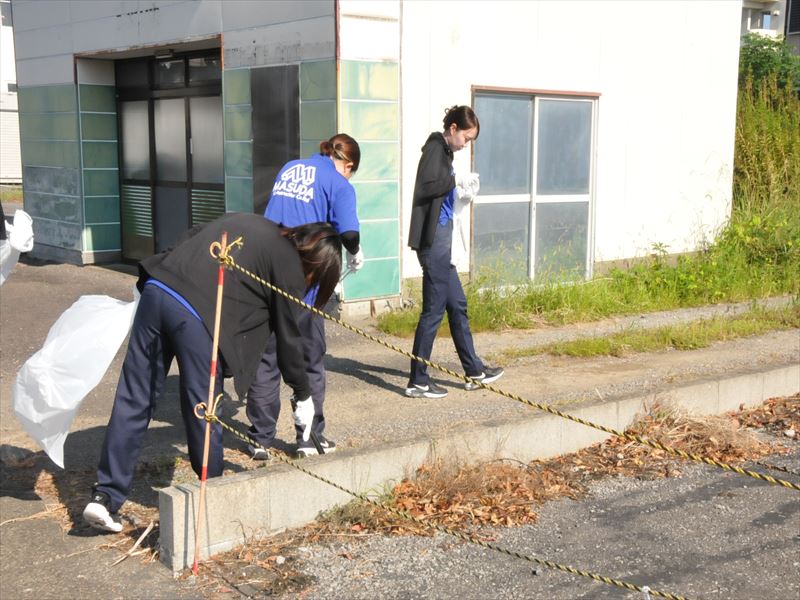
{"x":431,"y":235}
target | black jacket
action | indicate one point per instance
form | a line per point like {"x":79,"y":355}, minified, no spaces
{"x":434,"y":181}
{"x":250,"y":311}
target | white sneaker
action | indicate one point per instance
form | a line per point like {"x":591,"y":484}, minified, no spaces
{"x":98,"y":516}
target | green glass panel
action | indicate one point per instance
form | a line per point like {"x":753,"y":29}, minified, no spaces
{"x":318,"y":80}
{"x":370,"y":121}
{"x":98,"y":127}
{"x":379,"y":160}
{"x":100,"y":183}
{"x":370,"y":80}
{"x":238,"y":194}
{"x":47,"y":98}
{"x":317,"y":120}
{"x":100,"y":155}
{"x":50,"y":154}
{"x":236,"y":86}
{"x":309,"y":147}
{"x":239,"y":159}
{"x":53,"y":181}
{"x":377,"y":278}
{"x":53,"y":207}
{"x":98,"y":98}
{"x":377,"y":200}
{"x":101,"y":237}
{"x":43,"y":126}
{"x":238,"y":123}
{"x":380,"y":238}
{"x":101,"y":210}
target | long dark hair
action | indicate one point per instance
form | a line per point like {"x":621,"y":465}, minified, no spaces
{"x":343,"y":147}
{"x":320,"y":250}
{"x":464,"y":118}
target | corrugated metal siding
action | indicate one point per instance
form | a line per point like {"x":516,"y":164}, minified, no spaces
{"x":10,"y":159}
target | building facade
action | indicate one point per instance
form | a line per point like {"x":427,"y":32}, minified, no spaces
{"x":10,"y":163}
{"x":600,"y":137}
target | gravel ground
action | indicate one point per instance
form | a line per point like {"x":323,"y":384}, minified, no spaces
{"x":706,"y":534}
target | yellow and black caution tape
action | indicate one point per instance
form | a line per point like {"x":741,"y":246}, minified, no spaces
{"x":212,"y":418}
{"x":229,"y":261}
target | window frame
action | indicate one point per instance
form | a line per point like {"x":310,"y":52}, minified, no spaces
{"x":532,"y":198}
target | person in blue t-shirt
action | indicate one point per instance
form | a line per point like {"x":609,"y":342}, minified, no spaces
{"x":307,"y":190}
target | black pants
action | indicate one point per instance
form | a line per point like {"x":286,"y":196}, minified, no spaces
{"x":264,"y":398}
{"x":163,"y":329}
{"x":442,"y":291}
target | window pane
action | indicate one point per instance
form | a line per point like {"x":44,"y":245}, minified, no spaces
{"x":563,"y":151}
{"x":135,"y":140}
{"x":206,"y":123}
{"x":204,"y":69}
{"x":169,"y":73}
{"x":503,"y":149}
{"x":561,"y":234}
{"x":132,"y":74}
{"x":500,"y":234}
{"x":170,"y":126}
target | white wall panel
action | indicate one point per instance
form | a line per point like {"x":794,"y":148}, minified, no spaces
{"x":47,"y":41}
{"x":246,"y":14}
{"x":50,"y":70}
{"x":387,"y":9}
{"x":284,"y":43}
{"x":368,"y":39}
{"x":98,"y":72}
{"x":35,"y":14}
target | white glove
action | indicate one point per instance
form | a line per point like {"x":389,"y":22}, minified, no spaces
{"x":303,"y":415}
{"x":20,"y":234}
{"x":467,"y":186}
{"x":355,"y":261}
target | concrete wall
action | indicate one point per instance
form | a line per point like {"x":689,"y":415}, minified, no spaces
{"x":666,"y":118}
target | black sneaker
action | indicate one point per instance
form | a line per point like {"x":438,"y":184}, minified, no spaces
{"x":425,"y":391}
{"x":98,"y":514}
{"x":489,"y":375}
{"x":305,"y":449}
{"x":257,"y":452}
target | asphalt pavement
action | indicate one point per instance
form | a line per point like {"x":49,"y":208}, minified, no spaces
{"x":663,"y":534}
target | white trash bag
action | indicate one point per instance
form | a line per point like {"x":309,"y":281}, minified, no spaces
{"x":20,"y":239}
{"x":78,"y":350}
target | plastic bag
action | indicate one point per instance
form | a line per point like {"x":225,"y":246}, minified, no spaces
{"x":20,"y":239}
{"x":78,"y":350}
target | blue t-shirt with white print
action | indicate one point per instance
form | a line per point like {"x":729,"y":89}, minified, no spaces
{"x":310,"y":190}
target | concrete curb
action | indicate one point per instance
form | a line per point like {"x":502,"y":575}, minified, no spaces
{"x":257,"y":503}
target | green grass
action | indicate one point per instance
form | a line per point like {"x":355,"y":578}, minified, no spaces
{"x":11,"y":193}
{"x":689,"y":336}
{"x":756,"y":255}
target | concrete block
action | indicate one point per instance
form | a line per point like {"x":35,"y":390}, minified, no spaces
{"x":539,"y":436}
{"x":296,"y":499}
{"x":700,"y":398}
{"x":746,"y":389}
{"x":256,"y":503}
{"x":782,"y":382}
{"x":388,"y":464}
{"x":577,"y":436}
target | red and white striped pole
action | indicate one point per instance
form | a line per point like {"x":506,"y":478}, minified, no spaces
{"x":211,"y":404}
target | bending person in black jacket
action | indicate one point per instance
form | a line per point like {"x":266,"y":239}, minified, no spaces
{"x":175,"y":319}
{"x":431,"y":235}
